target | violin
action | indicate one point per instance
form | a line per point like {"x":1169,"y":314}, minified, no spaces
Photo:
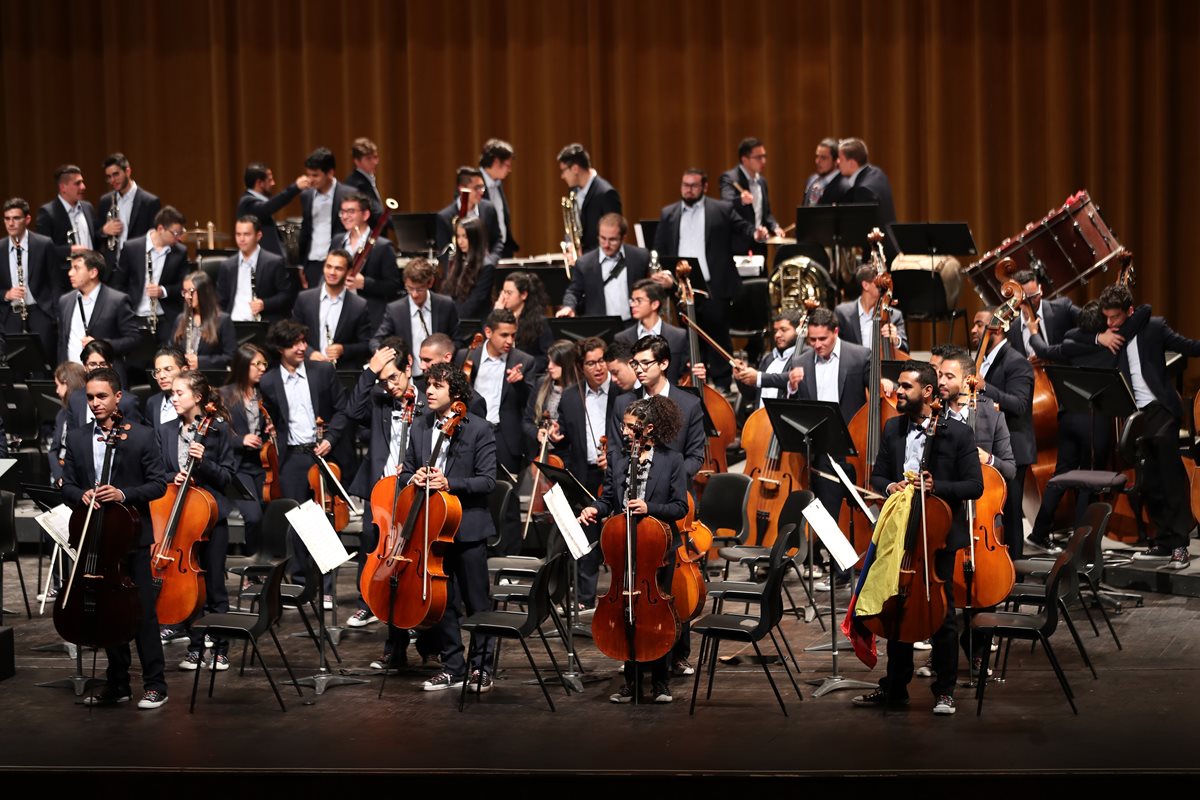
{"x":183,"y":517}
{"x":99,"y":606}
{"x":469,"y":365}
{"x":635,"y":621}
{"x":335,"y":507}
{"x":689,"y":590}
{"x":403,"y":581}
{"x":268,"y":455}
{"x":919,"y":607}
{"x":716,"y":459}
{"x":541,"y":484}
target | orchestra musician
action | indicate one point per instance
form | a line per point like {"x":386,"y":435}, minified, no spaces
{"x":817,"y":187}
{"x":203,"y":331}
{"x":420,"y":313}
{"x":340,"y":318}
{"x":951,"y":473}
{"x":1054,"y":317}
{"x":320,"y":203}
{"x":365,"y":155}
{"x":470,"y":273}
{"x":259,"y":204}
{"x":496,"y":163}
{"x":466,"y":469}
{"x":41,"y":272}
{"x":525,"y":296}
{"x":594,"y":196}
{"x":98,"y":354}
{"x":168,"y":264}
{"x":645,"y":304}
{"x":136,"y":208}
{"x":469,"y":182}
{"x":249,"y":431}
{"x":69,"y":213}
{"x":169,"y":364}
{"x":253,"y":284}
{"x":663,"y":495}
{"x":771,"y":378}
{"x":856,"y":318}
{"x":618,"y":356}
{"x":378,"y":281}
{"x":863,"y":182}
{"x":439,"y":348}
{"x":93,"y":311}
{"x":135,"y":478}
{"x":562,"y":375}
{"x":601,"y":279}
{"x":68,"y":379}
{"x":746,"y":189}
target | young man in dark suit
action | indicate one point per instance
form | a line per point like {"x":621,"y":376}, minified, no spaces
{"x":471,"y":187}
{"x":254,"y":284}
{"x":746,"y":189}
{"x":70,"y":221}
{"x":320,"y":205}
{"x":132,"y":475}
{"x":863,"y":182}
{"x":704,"y":228}
{"x":821,"y":188}
{"x":594,"y":196}
{"x":136,"y":208}
{"x":646,"y":302}
{"x":41,"y":274}
{"x":420,"y":313}
{"x":160,"y":253}
{"x":365,"y":155}
{"x":378,"y":280}
{"x":98,"y":354}
{"x":466,"y":468}
{"x":496,"y":164}
{"x":339,"y":317}
{"x":949,"y":469}
{"x":257,"y":202}
{"x":1054,"y":317}
{"x":93,"y":311}
{"x":856,"y":318}
{"x":602,"y":278}
{"x":770,"y":380}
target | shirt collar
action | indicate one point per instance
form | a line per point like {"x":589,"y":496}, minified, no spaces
{"x":23,"y":242}
{"x":603,"y":390}
{"x":785,"y":354}
{"x":854,"y":176}
{"x":488,"y":356}
{"x":299,"y":373}
{"x":130,"y":192}
{"x":67,"y":205}
{"x":835,"y":355}
{"x":325,"y":295}
{"x":92,"y":296}
{"x":655,"y":331}
{"x":250,"y":259}
{"x":329,"y":193}
{"x":587,"y":186}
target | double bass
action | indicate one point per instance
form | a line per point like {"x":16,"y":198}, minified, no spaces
{"x":99,"y":606}
{"x":183,"y":518}
{"x":403,"y":581}
{"x":335,"y":507}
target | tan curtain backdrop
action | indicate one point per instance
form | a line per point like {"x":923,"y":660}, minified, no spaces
{"x":989,"y":112}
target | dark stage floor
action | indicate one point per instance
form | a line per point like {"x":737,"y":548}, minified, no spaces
{"x":1137,"y":717}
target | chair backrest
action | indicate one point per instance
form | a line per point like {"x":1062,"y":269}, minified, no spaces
{"x":723,"y":504}
{"x":750,"y":311}
{"x":498,"y":502}
{"x":276,"y":540}
{"x":793,"y":511}
{"x":1061,"y":577}
{"x":539,"y":593}
{"x":1136,"y":428}
{"x":1096,"y":517}
{"x":770,"y":610}
{"x":8,"y":524}
{"x":270,"y":606}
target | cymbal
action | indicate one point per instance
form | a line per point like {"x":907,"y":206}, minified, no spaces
{"x":781,"y":240}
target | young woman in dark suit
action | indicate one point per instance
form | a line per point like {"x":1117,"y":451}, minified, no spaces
{"x":204,"y":332}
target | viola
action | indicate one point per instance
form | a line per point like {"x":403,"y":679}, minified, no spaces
{"x":335,"y":507}
{"x":689,"y":590}
{"x":469,"y":365}
{"x":773,"y":474}
{"x":635,"y":621}
{"x":269,"y":455}
{"x":99,"y":606}
{"x":541,"y":484}
{"x":182,"y":518}
{"x":404,"y":582}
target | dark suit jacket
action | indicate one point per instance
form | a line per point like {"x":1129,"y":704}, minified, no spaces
{"x":340,"y":192}
{"x":849,"y":331}
{"x":872,"y":186}
{"x":854,"y":376}
{"x":137,"y":470}
{"x":42,"y":274}
{"x":677,"y":338}
{"x":247,"y":461}
{"x":587,"y":283}
{"x":953,"y":462}
{"x":1061,"y":316}
{"x":111,"y":318}
{"x":272,"y":284}
{"x":249,"y":205}
{"x":218,"y":354}
{"x":573,"y":425}
{"x":733,"y":181}
{"x":353,"y":328}
{"x":775,"y":380}
{"x":991,"y":434}
{"x":1078,"y":347}
{"x":1154,"y":339}
{"x":828,"y":195}
{"x":510,"y":244}
{"x":359,"y":182}
{"x":77,"y":409}
{"x":52,"y":221}
{"x":370,"y":404}
{"x":1009,"y":382}
{"x":213,"y":472}
{"x":666,"y":488}
{"x":383,"y":280}
{"x":689,"y":441}
{"x":470,"y":470}
{"x":397,"y":320}
{"x":130,"y":278}
{"x":141,"y":218}
{"x":148,"y":413}
{"x":513,"y":397}
{"x":721,"y":225}
{"x":601,"y":199}
{"x":444,"y":231}
{"x":328,"y":401}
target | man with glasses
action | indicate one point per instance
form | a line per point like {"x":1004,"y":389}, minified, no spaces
{"x":160,"y":254}
{"x":601,"y":279}
{"x":29,"y":278}
{"x":471,"y":187}
{"x":253,"y":285}
{"x":378,"y":279}
{"x":645,"y":304}
{"x":745,"y":187}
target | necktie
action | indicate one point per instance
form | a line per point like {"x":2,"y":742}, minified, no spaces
{"x":814,"y":192}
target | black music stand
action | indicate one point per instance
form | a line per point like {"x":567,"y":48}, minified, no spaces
{"x":24,"y":354}
{"x":553,"y":275}
{"x":1095,"y":391}
{"x":466,"y":330}
{"x":249,"y":331}
{"x":45,"y":398}
{"x":415,"y":233}
{"x":843,"y":225}
{"x":649,"y":229}
{"x":577,"y":329}
{"x":805,"y":426}
{"x":933,"y":238}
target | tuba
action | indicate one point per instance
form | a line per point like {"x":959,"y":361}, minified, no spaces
{"x":797,"y":283}
{"x":572,"y":232}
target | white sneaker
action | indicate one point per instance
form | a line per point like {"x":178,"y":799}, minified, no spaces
{"x":361,"y":619}
{"x":925,"y":645}
{"x":442,"y":681}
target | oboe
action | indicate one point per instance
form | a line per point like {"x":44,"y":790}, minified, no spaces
{"x":153,"y":299}
{"x":22,"y":309}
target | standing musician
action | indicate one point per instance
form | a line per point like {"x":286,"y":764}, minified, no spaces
{"x":856,"y":318}
{"x":496,"y":164}
{"x":136,"y":476}
{"x":466,"y":469}
{"x":203,"y":331}
{"x":563,"y":374}
{"x":817,"y":190}
{"x":1006,"y":379}
{"x":663,"y":495}
{"x":69,"y":379}
{"x":745,"y":187}
{"x":951,"y":473}
{"x":1142,"y":360}
{"x":136,"y":208}
{"x":340,"y":318}
{"x":258,"y":204}
{"x":420,"y":313}
{"x":619,"y":358}
{"x":93,"y":311}
{"x":594,"y":196}
{"x":469,"y":182}
{"x":70,"y":221}
{"x":169,"y":364}
{"x":704,"y":228}
{"x":320,"y":203}
{"x":524,"y":295}
{"x":295,"y":394}
{"x":98,"y":355}
{"x":770,"y":380}
{"x":378,"y":280}
{"x":249,"y":431}
{"x":253,"y":284}
{"x":160,"y":253}
{"x":365,"y":155}
{"x":439,"y":348}
{"x":30,"y":277}
{"x":470,"y":272}
{"x":214,"y":466}
{"x":646,"y":303}
{"x":503,"y":375}
{"x":863,"y":182}
{"x":601,"y":278}
{"x":1054,"y":317}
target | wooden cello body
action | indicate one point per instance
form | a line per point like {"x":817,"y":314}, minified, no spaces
{"x":773,"y":474}
{"x":335,"y":507}
{"x":993,"y":574}
{"x":689,"y":590}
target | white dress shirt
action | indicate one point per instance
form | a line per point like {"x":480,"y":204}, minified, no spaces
{"x":1026,"y":334}
{"x":158,"y":261}
{"x":755,"y":186}
{"x":329,"y":314}
{"x":490,"y":382}
{"x":914,"y":446}
{"x":691,"y":235}
{"x":827,"y":374}
{"x":990,"y":359}
{"x":420,"y":321}
{"x":21,"y":244}
{"x":125,"y":213}
{"x":595,"y":403}
{"x":779,"y":362}
{"x":322,"y":211}
{"x":866,"y":323}
{"x":302,"y":419}
{"x":616,"y":291}
{"x":241,"y":293}
{"x":1142,"y":396}
{"x":79,"y":323}
{"x":98,"y":450}
{"x":79,"y":221}
{"x":166,"y":411}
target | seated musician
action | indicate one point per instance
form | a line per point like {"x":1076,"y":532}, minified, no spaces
{"x":214,"y":466}
{"x":249,"y":431}
{"x":618,"y":356}
{"x":770,"y":380}
{"x":856,"y":318}
{"x":98,"y":354}
{"x":339,"y":317}
{"x":470,"y":475}
{"x":662,"y":494}
{"x":135,"y":478}
{"x":203,"y":331}
{"x":951,"y":472}
{"x":169,"y":362}
{"x":646,"y":303}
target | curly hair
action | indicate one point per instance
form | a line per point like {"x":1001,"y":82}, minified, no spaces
{"x":532,"y":321}
{"x":662,"y":414}
{"x":452,"y":376}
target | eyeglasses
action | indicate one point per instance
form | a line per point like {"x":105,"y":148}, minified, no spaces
{"x":597,"y":363}
{"x":687,"y":185}
{"x":348,"y":212}
{"x":394,"y":380}
{"x":186,"y":292}
{"x":178,"y":233}
{"x":260,"y":364}
{"x":642,"y":364}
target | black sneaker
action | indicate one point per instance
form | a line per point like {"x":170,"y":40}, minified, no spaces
{"x":481,"y":685}
{"x":944,"y":706}
{"x":1156,"y":553}
{"x":1043,"y":543}
{"x":879,"y":699}
{"x":1180,"y":559}
{"x":152,"y":699}
{"x":389,"y":662}
{"x":361,"y":619}
{"x":219,"y":662}
{"x":168,"y":635}
{"x":662,"y":693}
{"x":623,"y":695}
{"x":191,"y":661}
{"x":108,"y":697}
{"x":682,"y":667}
{"x":441,"y":681}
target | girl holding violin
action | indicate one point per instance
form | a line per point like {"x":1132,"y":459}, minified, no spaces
{"x":524,"y":295}
{"x":469,"y":272}
{"x":250,"y":428}
{"x":662,"y":494}
{"x":562,"y":373}
{"x":945,"y":448}
{"x":204,"y":332}
{"x":214,"y":468}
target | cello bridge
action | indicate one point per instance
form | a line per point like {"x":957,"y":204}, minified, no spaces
{"x":769,"y":484}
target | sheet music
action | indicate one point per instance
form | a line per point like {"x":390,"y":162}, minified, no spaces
{"x":312,"y":525}
{"x":5,"y":465}
{"x":854,"y":491}
{"x":830,"y":534}
{"x":57,"y":523}
{"x":568,"y":525}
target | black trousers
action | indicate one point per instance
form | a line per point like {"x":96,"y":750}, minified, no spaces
{"x":216,"y":596}
{"x":945,"y":646}
{"x":1014,"y":515}
{"x":713,"y":317}
{"x":1077,"y":442}
{"x":589,"y":565}
{"x":1165,"y":490}
{"x":149,"y":643}
{"x":466,"y":566}
{"x":251,"y":510}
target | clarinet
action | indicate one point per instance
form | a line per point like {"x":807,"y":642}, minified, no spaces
{"x":114,"y":213}
{"x":22,"y":309}
{"x":329,"y":341}
{"x":187,"y":340}
{"x":254,"y":291}
{"x":153,"y":300}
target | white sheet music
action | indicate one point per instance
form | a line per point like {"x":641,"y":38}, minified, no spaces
{"x":312,"y":525}
{"x":830,"y":534}
{"x":6,"y":464}
{"x":852,"y":489}
{"x":568,"y":525}
{"x":57,"y":523}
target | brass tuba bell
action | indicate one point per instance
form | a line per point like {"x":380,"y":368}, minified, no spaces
{"x":798,"y":282}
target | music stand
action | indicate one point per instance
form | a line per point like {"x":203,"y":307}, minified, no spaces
{"x":415,"y":233}
{"x":649,"y":229}
{"x":577,"y":329}
{"x":842,"y":225}
{"x":45,"y":398}
{"x":249,"y":331}
{"x":1095,"y":391}
{"x":933,"y":239}
{"x":553,"y":275}
{"x":466,"y":330}
{"x":24,"y":354}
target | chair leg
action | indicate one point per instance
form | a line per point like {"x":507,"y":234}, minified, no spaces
{"x":286,"y":664}
{"x":981,"y":684}
{"x":1078,"y":641}
{"x":1100,"y":605}
{"x":462,"y":695}
{"x":714,"y":647}
{"x":770,"y":678}
{"x":24,"y":593}
{"x":242,"y":666}
{"x":699,"y":669}
{"x":195,"y":688}
{"x":537,"y":674}
{"x":794,"y":608}
{"x":1083,"y":604}
{"x":212,"y":667}
{"x":267,"y":672}
{"x":558,"y":670}
{"x":1007,"y":651}
{"x":786,"y":668}
{"x":1058,"y":670}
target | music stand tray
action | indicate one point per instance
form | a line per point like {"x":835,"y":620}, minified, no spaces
{"x":579,"y":328}
{"x":25,"y":354}
{"x":415,"y":232}
{"x":249,"y":331}
{"x":843,"y":225}
{"x":933,"y":238}
{"x":552,"y":274}
{"x":576,"y":493}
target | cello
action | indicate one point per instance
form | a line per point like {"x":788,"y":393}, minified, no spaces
{"x":635,"y":621}
{"x":468,"y":365}
{"x":689,"y":590}
{"x":403,"y":581}
{"x":335,"y":507}
{"x":99,"y":606}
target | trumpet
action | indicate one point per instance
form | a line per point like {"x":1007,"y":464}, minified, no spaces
{"x":572,"y":232}
{"x":22,"y":309}
{"x":153,"y":300}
